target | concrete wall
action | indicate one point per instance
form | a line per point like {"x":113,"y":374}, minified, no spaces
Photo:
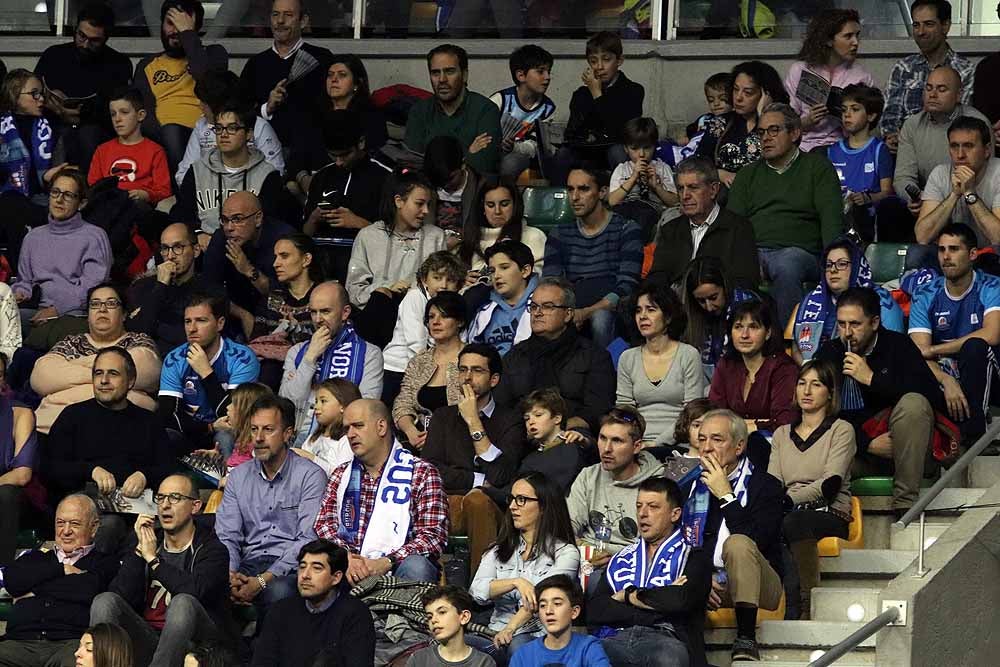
{"x":952,"y":610}
{"x":672,"y":72}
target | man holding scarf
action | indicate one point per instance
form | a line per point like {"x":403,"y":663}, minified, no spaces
{"x":386,"y":507}
{"x":649,"y":601}
{"x":334,"y":351}
{"x":735,"y":513}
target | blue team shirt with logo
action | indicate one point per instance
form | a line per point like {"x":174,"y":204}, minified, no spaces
{"x":948,"y":318}
{"x":861,"y":169}
{"x":232,"y":365}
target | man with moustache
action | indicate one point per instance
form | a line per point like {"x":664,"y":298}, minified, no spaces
{"x":268,"y":509}
{"x":166,"y":80}
{"x":171,"y":588}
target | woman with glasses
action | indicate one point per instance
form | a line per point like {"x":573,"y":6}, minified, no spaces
{"x":731,"y":140}
{"x":431,"y":379}
{"x":812,"y":459}
{"x":662,"y":374}
{"x":535,"y":541}
{"x":844,"y":266}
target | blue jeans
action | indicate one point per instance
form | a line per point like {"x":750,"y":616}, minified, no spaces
{"x":418,"y":568}
{"x":281,"y":587}
{"x":503,"y":654}
{"x":640,"y":646}
{"x":787,"y":269}
{"x":602,"y":327}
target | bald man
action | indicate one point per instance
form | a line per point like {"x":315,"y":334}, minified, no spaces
{"x":53,"y":590}
{"x":399,"y":515}
{"x":334,"y":351}
{"x":240,"y":254}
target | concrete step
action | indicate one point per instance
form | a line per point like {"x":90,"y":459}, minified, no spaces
{"x":850,"y":660}
{"x":840,"y":604}
{"x":984,"y":472}
{"x":908,"y":539}
{"x":949,"y":497}
{"x":793,"y":642}
{"x":791,"y":658}
{"x":863,"y":568}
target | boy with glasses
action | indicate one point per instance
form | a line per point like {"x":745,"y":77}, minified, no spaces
{"x":172,"y":585}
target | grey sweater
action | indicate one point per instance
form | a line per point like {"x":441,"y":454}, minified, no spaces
{"x":923,"y":145}
{"x":380,"y":258}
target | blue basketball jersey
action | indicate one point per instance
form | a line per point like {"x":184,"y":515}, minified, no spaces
{"x":233,"y":365}
{"x":861,"y":169}
{"x":948,"y":318}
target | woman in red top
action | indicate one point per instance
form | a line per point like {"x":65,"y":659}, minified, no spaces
{"x":755,"y":378}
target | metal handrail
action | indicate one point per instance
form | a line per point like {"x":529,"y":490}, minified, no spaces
{"x":854,"y":640}
{"x":950,"y":474}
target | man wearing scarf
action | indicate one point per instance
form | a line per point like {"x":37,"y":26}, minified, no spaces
{"x":735,"y":513}
{"x":334,"y":351}
{"x":386,"y":507}
{"x":649,"y":601}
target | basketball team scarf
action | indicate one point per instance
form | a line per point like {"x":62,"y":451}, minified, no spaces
{"x":695,"y":513}
{"x":631,"y":565}
{"x":344,"y":358}
{"x":15,"y":157}
{"x":387,"y":527}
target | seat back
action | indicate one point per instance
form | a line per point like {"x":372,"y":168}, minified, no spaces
{"x":546,"y":207}
{"x":887,"y":261}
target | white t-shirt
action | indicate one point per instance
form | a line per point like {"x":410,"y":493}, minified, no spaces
{"x":938,"y":188}
{"x":625,"y":170}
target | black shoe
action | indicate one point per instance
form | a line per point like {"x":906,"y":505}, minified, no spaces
{"x":745,"y":649}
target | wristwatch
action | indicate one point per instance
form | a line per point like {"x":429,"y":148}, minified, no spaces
{"x":477,"y":436}
{"x":971,"y":198}
{"x":254,"y":275}
{"x":726,"y":499}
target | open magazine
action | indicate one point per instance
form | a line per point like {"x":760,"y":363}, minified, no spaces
{"x":65,"y":100}
{"x":814,"y":90}
{"x":116,"y":503}
{"x":209,"y":468}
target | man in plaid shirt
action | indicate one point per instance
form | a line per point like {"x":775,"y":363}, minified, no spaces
{"x":409,"y":491}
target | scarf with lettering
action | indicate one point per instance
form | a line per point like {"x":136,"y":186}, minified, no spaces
{"x":344,"y":358}
{"x":632,"y":567}
{"x":17,"y":159}
{"x":695,"y":513}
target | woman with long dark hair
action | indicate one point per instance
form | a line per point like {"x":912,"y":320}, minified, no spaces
{"x":105,"y":645}
{"x":499,"y":215}
{"x":535,"y":541}
{"x":729,"y":139}
{"x":829,"y":51}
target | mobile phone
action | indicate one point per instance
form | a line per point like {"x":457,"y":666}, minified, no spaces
{"x":913,"y":192}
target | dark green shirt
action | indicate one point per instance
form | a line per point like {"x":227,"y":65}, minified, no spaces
{"x":476,"y":115}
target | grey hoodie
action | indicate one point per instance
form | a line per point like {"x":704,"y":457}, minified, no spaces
{"x":380,"y":258}
{"x":213,"y":182}
{"x":595,"y":490}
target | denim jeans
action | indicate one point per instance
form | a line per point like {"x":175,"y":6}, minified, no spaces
{"x":641,"y":646}
{"x":602,"y":327}
{"x":503,"y":654}
{"x":186,"y":621}
{"x":418,"y":568}
{"x":787,"y":269}
{"x":279,"y":588}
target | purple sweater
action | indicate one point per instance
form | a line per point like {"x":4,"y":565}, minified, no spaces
{"x":65,"y":258}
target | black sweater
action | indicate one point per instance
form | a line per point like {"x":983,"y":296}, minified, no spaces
{"x":157,"y":310}
{"x":681,"y":606}
{"x":60,"y":607}
{"x":293,"y":637}
{"x":898,"y":369}
{"x":87,"y":435}
{"x":63,"y":68}
{"x":605,"y":117}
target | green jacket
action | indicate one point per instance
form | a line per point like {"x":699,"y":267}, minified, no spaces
{"x":476,"y":116}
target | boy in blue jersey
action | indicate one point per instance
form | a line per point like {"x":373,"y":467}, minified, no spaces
{"x":559,"y":602}
{"x":863,"y":162}
{"x":198,"y":376}
{"x":955,"y":321}
{"x":527,"y":103}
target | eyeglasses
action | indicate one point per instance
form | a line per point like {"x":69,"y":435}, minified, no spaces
{"x":56,"y":193}
{"x":839,"y":265}
{"x":238,"y":219}
{"x":232,"y":128}
{"x":547,"y":307}
{"x":771,"y":131}
{"x":87,"y":39}
{"x":174,"y":498}
{"x":520,"y":501}
{"x":175,"y":249}
{"x":110,"y":304}
{"x":36,"y":93}
{"x":474,"y":370}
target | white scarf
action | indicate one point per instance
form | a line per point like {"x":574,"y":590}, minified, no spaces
{"x":741,"y":476}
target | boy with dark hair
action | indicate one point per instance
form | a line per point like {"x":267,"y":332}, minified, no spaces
{"x":523,"y":107}
{"x":457,"y":186}
{"x":599,"y":108}
{"x":501,"y":321}
{"x":449,"y":610}
{"x":139,"y":164}
{"x":718,"y":97}
{"x":642,"y":187}
{"x":560,"y":601}
{"x":863,"y":161}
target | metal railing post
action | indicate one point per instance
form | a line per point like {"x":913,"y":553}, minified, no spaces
{"x":656,"y":19}
{"x":60,"y":16}
{"x":854,"y":640}
{"x":358,"y":17}
{"x":920,"y":552}
{"x":671,"y":18}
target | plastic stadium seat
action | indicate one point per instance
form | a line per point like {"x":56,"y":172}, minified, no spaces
{"x":213,"y":503}
{"x":871,"y":486}
{"x":28,"y":538}
{"x":725,"y":617}
{"x":545,"y":208}
{"x":6,"y":610}
{"x":831,"y":546}
{"x":887,"y":261}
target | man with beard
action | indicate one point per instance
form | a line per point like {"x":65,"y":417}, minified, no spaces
{"x":284,"y":81}
{"x":456,"y":111}
{"x":167,"y":79}
{"x":80,"y":76}
{"x":171,"y":588}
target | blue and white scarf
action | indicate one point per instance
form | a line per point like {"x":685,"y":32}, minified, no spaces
{"x":344,"y":358}
{"x":15,"y":157}
{"x":389,"y":523}
{"x":695,"y":513}
{"x":631,"y":566}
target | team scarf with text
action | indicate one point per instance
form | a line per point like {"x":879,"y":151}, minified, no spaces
{"x":632,"y":566}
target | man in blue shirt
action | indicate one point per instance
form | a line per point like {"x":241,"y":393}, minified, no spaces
{"x":268,"y":509}
{"x":955,"y":321}
{"x":197,"y":377}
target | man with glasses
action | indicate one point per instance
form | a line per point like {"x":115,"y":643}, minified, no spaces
{"x":386,"y":506}
{"x":793,"y":200}
{"x":557,"y":356}
{"x":240,"y":255}
{"x":58,"y":263}
{"x":80,"y":77}
{"x":234,"y":166}
{"x":171,"y":589}
{"x":475,"y":444}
